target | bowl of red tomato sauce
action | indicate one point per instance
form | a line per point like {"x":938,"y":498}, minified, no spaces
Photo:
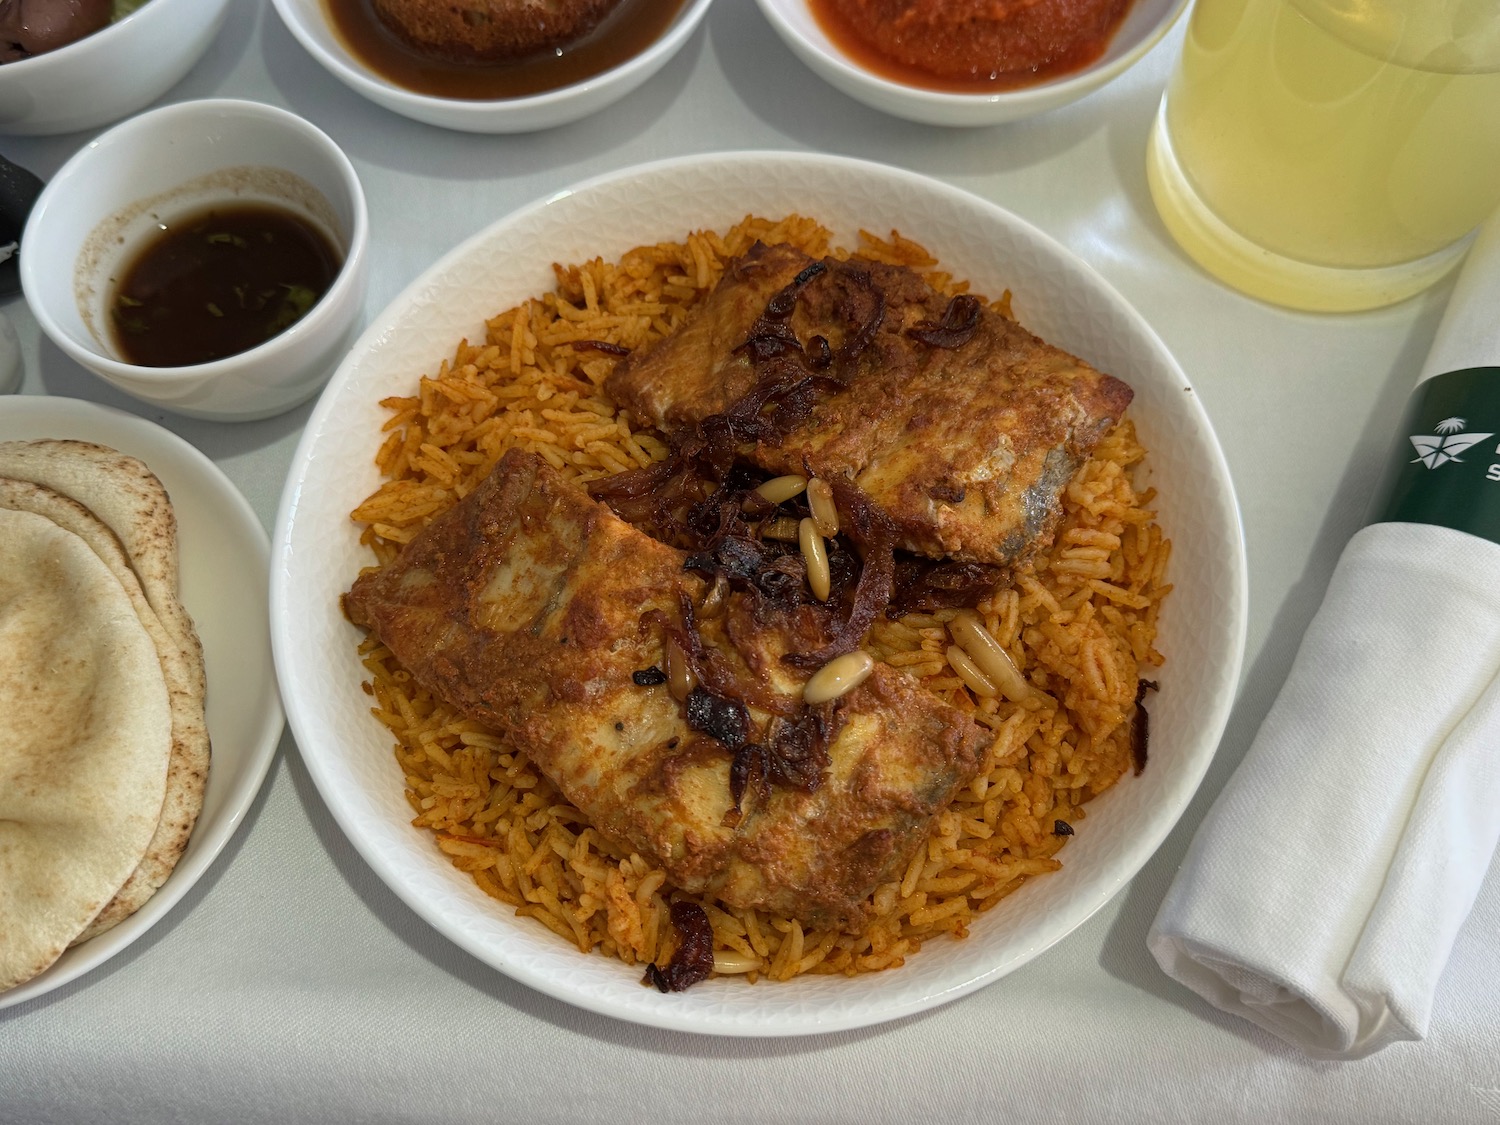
{"x":970,"y":62}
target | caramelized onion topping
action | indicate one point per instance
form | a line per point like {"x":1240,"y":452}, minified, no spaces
{"x":602,"y":346}
{"x":712,"y":671}
{"x":771,"y":335}
{"x":960,"y":322}
{"x":693,"y":959}
{"x":923,"y":585}
{"x":724,"y":719}
{"x":794,"y":755}
{"x":874,"y":535}
{"x":1140,"y":726}
{"x":703,"y":500}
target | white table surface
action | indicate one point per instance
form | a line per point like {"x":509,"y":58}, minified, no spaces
{"x":291,"y":985}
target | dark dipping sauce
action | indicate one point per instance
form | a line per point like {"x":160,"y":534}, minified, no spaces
{"x":627,"y":31}
{"x":220,"y":282}
{"x":961,"y":47}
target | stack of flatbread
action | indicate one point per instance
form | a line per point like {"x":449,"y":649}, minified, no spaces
{"x":103,"y":745}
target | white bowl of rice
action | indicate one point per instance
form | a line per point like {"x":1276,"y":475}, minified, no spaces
{"x":352,"y":756}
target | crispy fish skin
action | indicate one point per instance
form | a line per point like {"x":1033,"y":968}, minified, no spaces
{"x":967,"y":449}
{"x":528,"y":606}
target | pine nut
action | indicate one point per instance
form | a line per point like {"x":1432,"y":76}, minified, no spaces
{"x":969,"y":672}
{"x":732,"y":961}
{"x":778,"y":490}
{"x":841,"y":674}
{"x":782,"y":527}
{"x":990,"y":658}
{"x":680,"y":678}
{"x":815,"y":554}
{"x":820,"y":503}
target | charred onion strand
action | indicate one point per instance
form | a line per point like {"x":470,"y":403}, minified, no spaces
{"x":724,"y":719}
{"x":602,"y":346}
{"x":710,"y":668}
{"x":960,"y":322}
{"x":771,"y":335}
{"x":794,"y":755}
{"x":923,"y":585}
{"x":693,"y":959}
{"x":798,"y":750}
{"x":1140,"y":726}
{"x":817,"y":353}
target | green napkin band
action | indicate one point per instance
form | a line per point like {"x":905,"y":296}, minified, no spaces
{"x":1444,"y":466}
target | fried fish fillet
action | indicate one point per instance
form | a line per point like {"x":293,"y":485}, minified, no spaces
{"x":967,"y":448}
{"x":529,"y":607}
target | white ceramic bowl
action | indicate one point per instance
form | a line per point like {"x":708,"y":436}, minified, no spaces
{"x":177,"y":160}
{"x":1145,"y":24}
{"x":110,"y":74}
{"x":308,"y":22}
{"x":316,"y":554}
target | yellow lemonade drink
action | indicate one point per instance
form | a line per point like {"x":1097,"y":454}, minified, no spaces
{"x":1331,"y":153}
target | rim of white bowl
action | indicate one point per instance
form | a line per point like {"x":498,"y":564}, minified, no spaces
{"x":99,"y":40}
{"x":1045,"y":94}
{"x":347,"y":276}
{"x":345,"y":66}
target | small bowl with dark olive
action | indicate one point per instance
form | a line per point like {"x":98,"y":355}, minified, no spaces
{"x":207,"y":257}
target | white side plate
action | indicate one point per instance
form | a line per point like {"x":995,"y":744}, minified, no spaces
{"x":223,"y":553}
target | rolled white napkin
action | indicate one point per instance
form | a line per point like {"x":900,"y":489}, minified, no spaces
{"x":1322,"y":894}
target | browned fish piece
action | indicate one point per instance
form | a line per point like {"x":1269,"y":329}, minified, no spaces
{"x":967,"y":448}
{"x":529,"y":607}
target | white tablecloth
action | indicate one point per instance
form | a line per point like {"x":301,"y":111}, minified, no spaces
{"x":291,"y":985}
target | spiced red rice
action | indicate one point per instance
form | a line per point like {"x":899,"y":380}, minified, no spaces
{"x":1080,"y":624}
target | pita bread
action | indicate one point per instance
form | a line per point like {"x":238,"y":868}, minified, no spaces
{"x":126,"y":495}
{"x":184,"y":680}
{"x":85,"y":737}
{"x":122,"y":493}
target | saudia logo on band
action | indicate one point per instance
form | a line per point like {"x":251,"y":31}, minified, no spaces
{"x":1451,"y":481}
{"x":1446,"y":445}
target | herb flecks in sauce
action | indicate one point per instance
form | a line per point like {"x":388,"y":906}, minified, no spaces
{"x":218,"y":283}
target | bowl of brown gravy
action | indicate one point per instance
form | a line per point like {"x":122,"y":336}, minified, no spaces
{"x":492,"y":66}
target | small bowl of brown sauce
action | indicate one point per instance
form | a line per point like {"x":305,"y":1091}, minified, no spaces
{"x":970,"y":62}
{"x":492,"y":66}
{"x":207,"y":257}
